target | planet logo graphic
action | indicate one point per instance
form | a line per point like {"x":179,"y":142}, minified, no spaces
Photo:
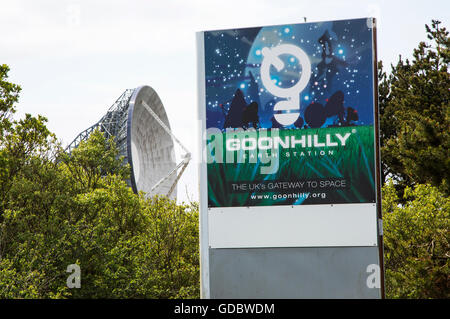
{"x":290,"y":107}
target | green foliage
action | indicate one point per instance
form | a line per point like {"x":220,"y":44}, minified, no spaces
{"x":58,"y":209}
{"x":415,"y":140}
{"x":127,"y":246}
{"x":417,"y":242}
{"x":93,"y":159}
{"x":9,"y":94}
{"x":415,"y":115}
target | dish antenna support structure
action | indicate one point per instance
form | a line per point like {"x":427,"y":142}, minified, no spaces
{"x":140,"y":125}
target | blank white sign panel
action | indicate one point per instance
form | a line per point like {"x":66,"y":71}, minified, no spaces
{"x":293,"y":226}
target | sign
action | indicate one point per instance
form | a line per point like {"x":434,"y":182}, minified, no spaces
{"x":290,"y":201}
{"x":290,"y":114}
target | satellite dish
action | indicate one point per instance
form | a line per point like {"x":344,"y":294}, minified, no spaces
{"x":141,"y":128}
{"x":151,"y":152}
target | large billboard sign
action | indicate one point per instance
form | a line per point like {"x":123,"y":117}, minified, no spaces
{"x":289,"y":185}
{"x":290,"y":114}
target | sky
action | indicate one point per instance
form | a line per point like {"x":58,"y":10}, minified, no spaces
{"x":73,"y":59}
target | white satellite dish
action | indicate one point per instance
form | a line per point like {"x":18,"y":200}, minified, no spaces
{"x":142,"y":132}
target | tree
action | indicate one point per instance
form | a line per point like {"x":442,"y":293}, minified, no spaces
{"x":58,"y":209}
{"x":92,"y":160}
{"x":417,"y":242}
{"x":414,"y":122}
{"x":9,"y":94}
{"x":27,"y":145}
{"x":415,"y":115}
{"x":127,"y":246}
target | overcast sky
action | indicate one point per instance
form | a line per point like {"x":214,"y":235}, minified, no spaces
{"x":74,"y":58}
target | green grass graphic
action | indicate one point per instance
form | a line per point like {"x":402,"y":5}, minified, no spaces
{"x":353,"y":162}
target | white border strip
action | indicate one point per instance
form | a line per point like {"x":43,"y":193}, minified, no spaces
{"x":203,"y":191}
{"x":349,"y":225}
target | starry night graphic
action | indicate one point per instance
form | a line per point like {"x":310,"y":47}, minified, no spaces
{"x":339,"y":91}
{"x":294,"y":105}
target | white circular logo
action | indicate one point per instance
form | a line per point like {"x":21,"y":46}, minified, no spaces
{"x":292,"y":94}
